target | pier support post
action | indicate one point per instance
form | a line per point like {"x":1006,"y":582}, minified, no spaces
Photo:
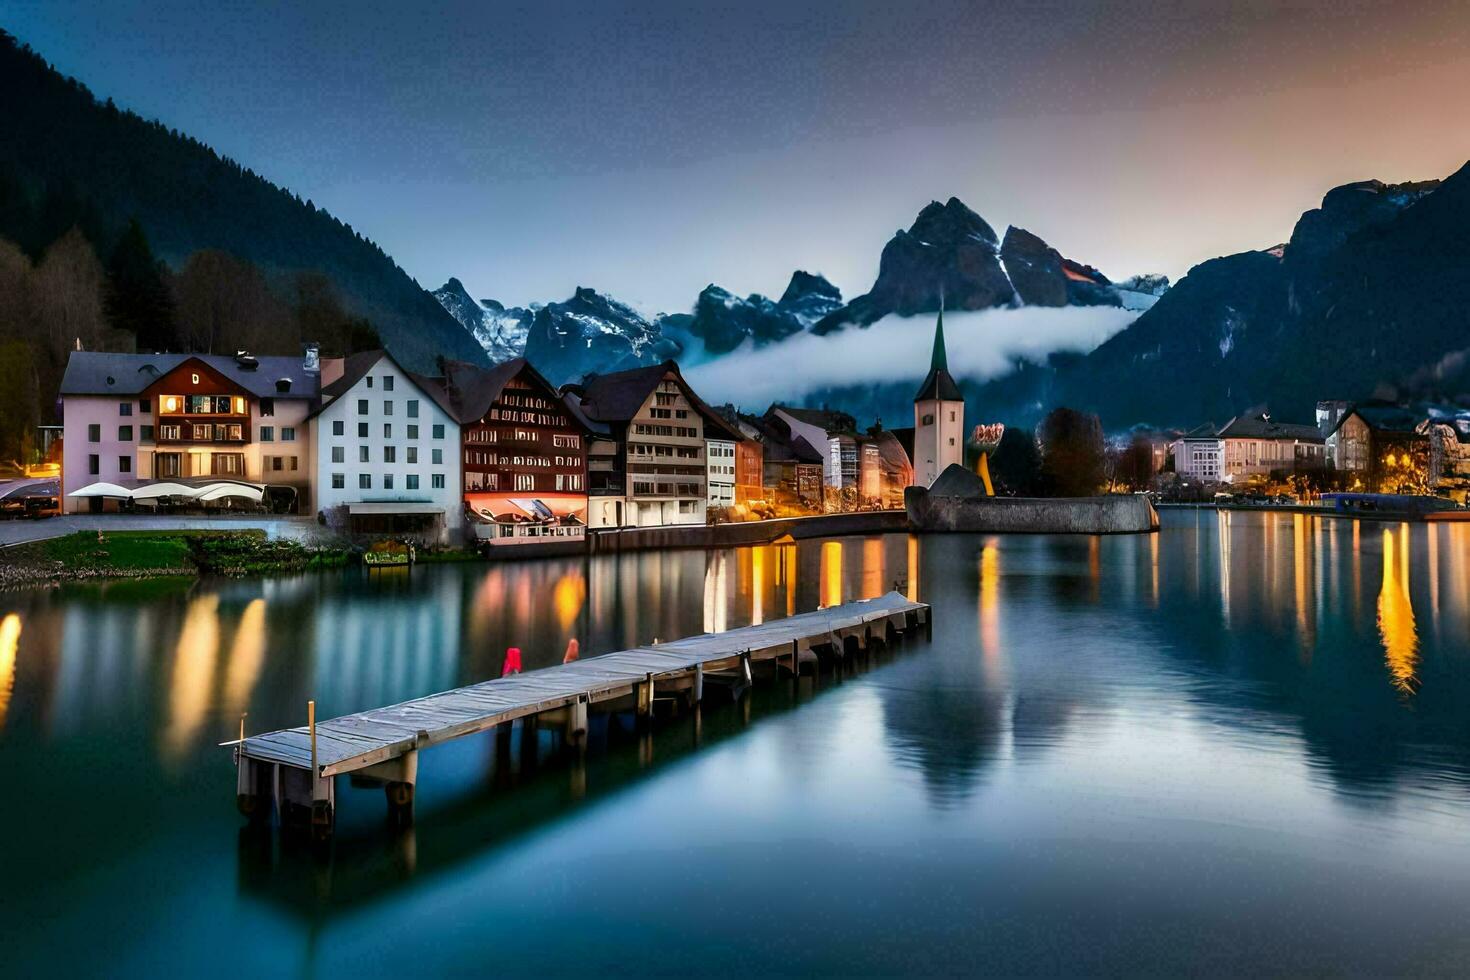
{"x":400,"y":789}
{"x":698,"y":683}
{"x":645,"y":703}
{"x":574,"y":734}
{"x":252,"y":795}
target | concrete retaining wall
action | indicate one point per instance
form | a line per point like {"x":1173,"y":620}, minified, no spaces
{"x":745,"y":532}
{"x":1120,"y":514}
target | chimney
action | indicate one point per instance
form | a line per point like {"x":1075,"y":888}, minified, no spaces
{"x":311,"y":361}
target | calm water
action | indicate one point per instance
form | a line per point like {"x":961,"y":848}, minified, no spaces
{"x":1242,"y":745}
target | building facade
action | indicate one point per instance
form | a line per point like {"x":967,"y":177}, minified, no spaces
{"x":136,"y":419}
{"x":651,"y":468}
{"x":939,"y":416}
{"x":1375,"y":444}
{"x":1197,"y":456}
{"x":523,"y":453}
{"x":1254,"y":447}
{"x":387,"y":452}
{"x":720,"y":471}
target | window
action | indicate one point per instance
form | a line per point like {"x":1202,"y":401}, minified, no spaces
{"x":437,"y":457}
{"x":411,"y":482}
{"x":951,"y":440}
{"x":125,"y":433}
{"x":413,"y":454}
{"x":437,"y":481}
{"x":387,"y":406}
{"x":928,"y":420}
{"x":227,"y":464}
{"x":145,"y":432}
{"x":94,"y":434}
{"x":145,"y":405}
{"x":276,"y":463}
{"x":283,"y":385}
{"x":167,"y":464}
{"x":267,"y":407}
{"x":288,"y":433}
{"x":565,"y":442}
{"x":171,"y":431}
{"x":362,"y":454}
{"x":339,"y":428}
{"x":267,"y":433}
{"x":94,"y":464}
{"x":339,"y":481}
{"x":364,"y":481}
{"x":362,"y":404}
{"x":339,"y":455}
{"x":413,"y":408}
{"x":362,"y":430}
{"x":370,"y":381}
{"x":125,"y":408}
{"x":387,"y":481}
{"x":390,"y":454}
{"x":387,"y":430}
{"x":525,"y":481}
{"x":951,"y":418}
{"x":388,"y":383}
{"x":439,"y":431}
{"x":413,"y":432}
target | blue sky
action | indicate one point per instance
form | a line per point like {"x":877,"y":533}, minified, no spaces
{"x":648,"y":149}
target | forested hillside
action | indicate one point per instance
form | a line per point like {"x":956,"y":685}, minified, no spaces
{"x":119,"y":233}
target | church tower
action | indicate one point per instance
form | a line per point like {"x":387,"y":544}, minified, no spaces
{"x":939,"y":416}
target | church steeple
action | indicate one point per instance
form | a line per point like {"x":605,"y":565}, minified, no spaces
{"x":939,"y":361}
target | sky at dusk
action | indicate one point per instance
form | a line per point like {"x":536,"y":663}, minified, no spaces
{"x":647,"y":149}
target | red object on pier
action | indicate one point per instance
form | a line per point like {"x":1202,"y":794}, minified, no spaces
{"x":512,"y":661}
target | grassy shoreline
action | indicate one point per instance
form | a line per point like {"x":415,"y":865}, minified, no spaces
{"x":87,"y":555}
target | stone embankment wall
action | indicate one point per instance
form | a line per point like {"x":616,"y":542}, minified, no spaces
{"x":741,"y":533}
{"x":1118,"y":514}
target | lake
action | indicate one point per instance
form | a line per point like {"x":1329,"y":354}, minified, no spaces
{"x":1241,"y":745}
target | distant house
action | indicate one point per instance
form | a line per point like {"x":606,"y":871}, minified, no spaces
{"x":1257,"y":445}
{"x":1370,"y":434}
{"x":1448,"y":433}
{"x":818,"y":427}
{"x":652,"y":466}
{"x":134,"y":419}
{"x":792,"y":468}
{"x":1197,"y":455}
{"x":387,"y":457}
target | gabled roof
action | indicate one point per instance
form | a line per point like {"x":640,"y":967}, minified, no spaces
{"x":356,"y":367}
{"x":1385,"y":418}
{"x":830,"y":421}
{"x":1264,"y":427}
{"x":1205,"y":431}
{"x":101,"y":373}
{"x":617,"y":397}
{"x":778,"y":445}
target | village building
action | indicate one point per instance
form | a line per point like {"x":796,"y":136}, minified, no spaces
{"x":132,"y":421}
{"x":939,"y":416}
{"x":1448,"y":435}
{"x":720,"y":472}
{"x":387,"y":451}
{"x":1256,"y":446}
{"x":523,"y":453}
{"x":821,"y":429}
{"x":651,"y":467}
{"x":1379,"y":447}
{"x":1197,"y":457}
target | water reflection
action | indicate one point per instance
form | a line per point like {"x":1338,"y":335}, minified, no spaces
{"x":1396,"y":613}
{"x":9,"y":643}
{"x":193,"y":674}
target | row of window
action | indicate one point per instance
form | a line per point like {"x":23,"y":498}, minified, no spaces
{"x":669,"y":413}
{"x":413,"y":406}
{"x":199,"y":431}
{"x":390,"y":455}
{"x":365,"y":481}
{"x":656,"y":450}
{"x":412,"y":431}
{"x":387,"y":382}
{"x":520,"y":482}
{"x":643,"y":429}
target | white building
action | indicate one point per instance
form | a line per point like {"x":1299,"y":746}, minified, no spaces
{"x":939,"y":417}
{"x":387,"y":457}
{"x":1197,"y":457}
{"x":719,"y":457}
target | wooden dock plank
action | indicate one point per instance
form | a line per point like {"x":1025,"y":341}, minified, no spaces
{"x":355,"y":741}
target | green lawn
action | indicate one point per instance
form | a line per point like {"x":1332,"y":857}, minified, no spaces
{"x":122,"y":550}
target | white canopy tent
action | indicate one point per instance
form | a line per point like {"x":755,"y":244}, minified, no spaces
{"x":219,"y":491}
{"x":155,"y":490}
{"x":102,"y":490}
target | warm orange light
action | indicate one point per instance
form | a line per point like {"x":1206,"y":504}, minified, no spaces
{"x":1396,"y":615}
{"x":247,"y":656}
{"x":831,"y":574}
{"x":9,"y":643}
{"x":193,"y":674}
{"x":170,"y":404}
{"x":567,"y":597}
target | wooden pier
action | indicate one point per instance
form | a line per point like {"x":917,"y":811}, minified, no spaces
{"x":292,"y":772}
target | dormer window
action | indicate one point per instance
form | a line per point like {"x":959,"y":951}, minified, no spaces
{"x":283,"y":385}
{"x":194,"y":378}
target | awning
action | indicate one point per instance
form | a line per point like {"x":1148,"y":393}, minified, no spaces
{"x":102,"y":490}
{"x":155,"y":490}
{"x":30,"y":488}
{"x":393,"y":507}
{"x":219,"y":491}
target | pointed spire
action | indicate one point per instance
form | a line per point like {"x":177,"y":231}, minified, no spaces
{"x":940,"y":360}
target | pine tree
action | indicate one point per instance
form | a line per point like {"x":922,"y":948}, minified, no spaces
{"x":138,"y":298}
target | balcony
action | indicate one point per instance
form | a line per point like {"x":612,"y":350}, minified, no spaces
{"x":502,"y":535}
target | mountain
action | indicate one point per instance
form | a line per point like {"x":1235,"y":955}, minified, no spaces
{"x":723,"y":321}
{"x":69,"y":160}
{"x":501,"y":332}
{"x":592,"y":333}
{"x":1368,"y":293}
{"x":952,"y":251}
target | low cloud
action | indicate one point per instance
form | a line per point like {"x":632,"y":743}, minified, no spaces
{"x":981,"y":345}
